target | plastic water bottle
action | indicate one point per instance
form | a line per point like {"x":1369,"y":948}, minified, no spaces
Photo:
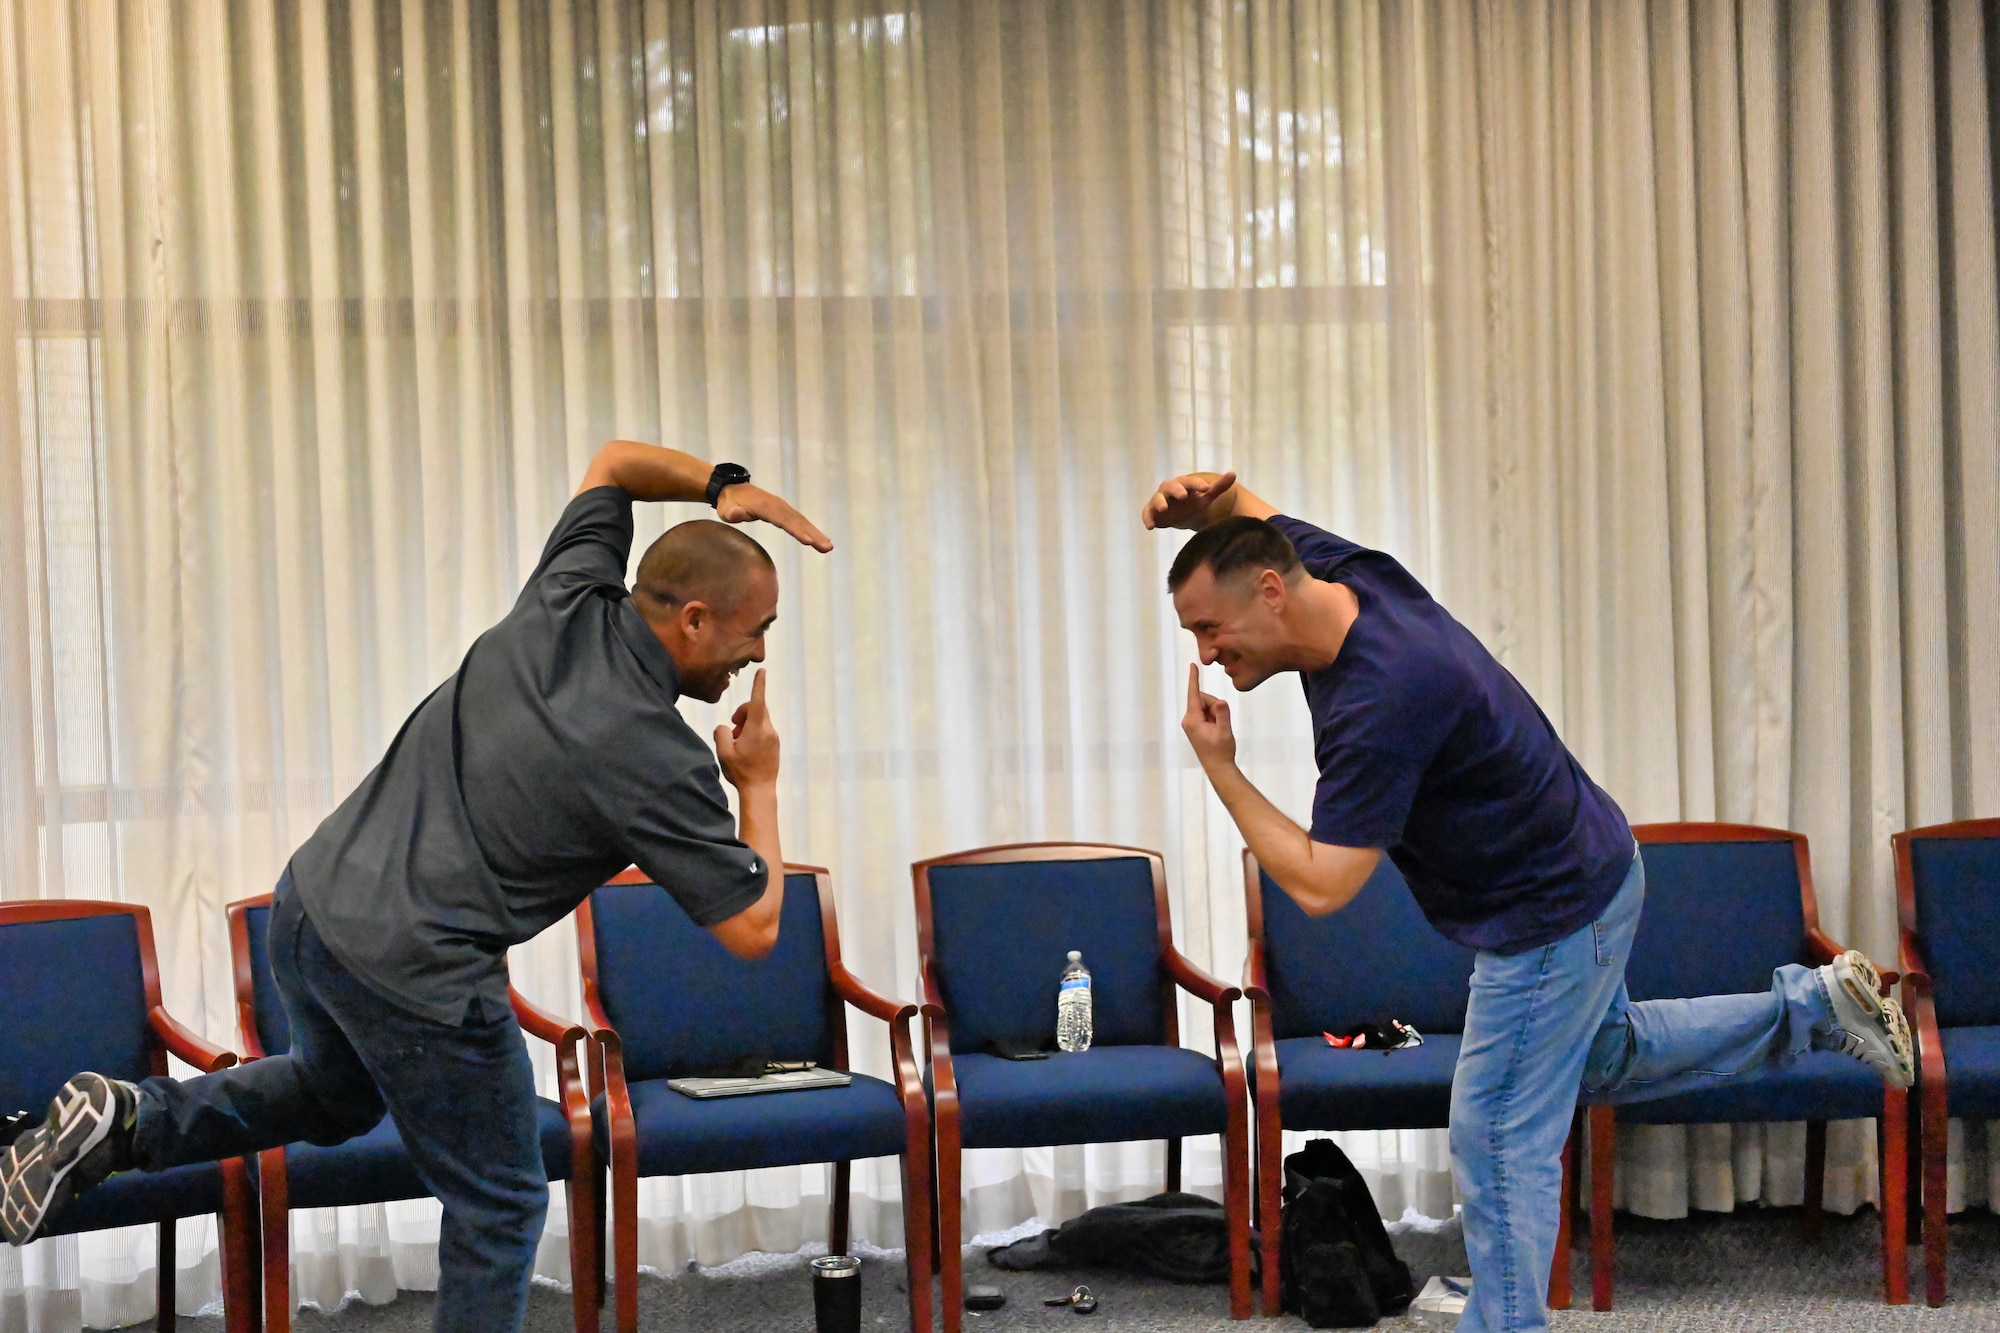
{"x":1073,"y":1006}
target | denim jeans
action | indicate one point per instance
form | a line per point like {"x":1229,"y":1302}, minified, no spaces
{"x":463,"y":1099}
{"x":1544,"y":1023}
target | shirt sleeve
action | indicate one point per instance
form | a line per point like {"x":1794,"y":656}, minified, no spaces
{"x":1364,"y":797}
{"x":684,"y":837}
{"x":591,"y":543}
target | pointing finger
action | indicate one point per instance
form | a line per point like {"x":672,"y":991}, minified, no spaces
{"x":757,"y":688}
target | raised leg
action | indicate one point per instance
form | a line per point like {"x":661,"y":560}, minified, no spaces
{"x":1603,"y":1162}
{"x":836,"y":1232}
{"x":1895,"y":1138}
{"x":1559,"y":1268}
{"x":1173,"y":1166}
{"x":169,"y":1231}
{"x":1815,"y":1178}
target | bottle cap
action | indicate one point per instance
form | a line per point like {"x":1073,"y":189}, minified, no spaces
{"x":1075,"y":956}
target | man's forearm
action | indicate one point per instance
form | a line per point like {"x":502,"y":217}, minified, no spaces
{"x":648,"y":472}
{"x":1318,"y":878}
{"x":757,"y":826}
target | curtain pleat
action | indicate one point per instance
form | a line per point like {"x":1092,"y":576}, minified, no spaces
{"x":1660,"y":341}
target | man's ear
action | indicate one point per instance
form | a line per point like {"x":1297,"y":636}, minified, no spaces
{"x":694,"y":615}
{"x":1271,"y":588}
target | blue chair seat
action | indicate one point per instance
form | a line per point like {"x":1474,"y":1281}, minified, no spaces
{"x":682,"y":1136}
{"x":1108,"y":1094}
{"x":1320,"y":1087}
{"x":1972,"y":1071}
{"x":134,"y":1197}
{"x":376,"y":1168}
{"x":1821,"y":1085}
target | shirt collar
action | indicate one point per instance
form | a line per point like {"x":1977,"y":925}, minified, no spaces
{"x":646,"y":645}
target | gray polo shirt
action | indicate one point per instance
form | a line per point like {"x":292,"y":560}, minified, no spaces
{"x":552,"y":760}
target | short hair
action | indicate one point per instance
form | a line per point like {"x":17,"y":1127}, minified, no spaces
{"x":1233,"y":546}
{"x":700,"y":560}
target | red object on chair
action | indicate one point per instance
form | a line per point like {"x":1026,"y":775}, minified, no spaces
{"x":1769,"y":848}
{"x":1947,"y":884}
{"x":1011,"y":908}
{"x":107,"y":950}
{"x":712,"y":1009}
{"x":259,"y":1019}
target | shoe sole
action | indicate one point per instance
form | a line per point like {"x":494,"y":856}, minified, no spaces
{"x":99,"y":1130}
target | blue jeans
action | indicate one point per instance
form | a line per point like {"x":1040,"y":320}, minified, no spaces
{"x":1544,"y":1023}
{"x":463,"y":1099}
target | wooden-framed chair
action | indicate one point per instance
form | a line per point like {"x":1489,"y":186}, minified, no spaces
{"x":1758,"y":881}
{"x":1375,"y":959}
{"x":80,"y":985}
{"x":375,"y":1167}
{"x":1948,"y":902}
{"x":994,"y":929}
{"x":710,"y":1009}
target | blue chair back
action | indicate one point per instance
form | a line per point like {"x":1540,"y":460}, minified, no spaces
{"x":1376,"y":958}
{"x":1719,"y":918}
{"x":682,"y":1003}
{"x":274,"y":1033}
{"x":1001,"y":934}
{"x":74,"y":995}
{"x":1957,"y":883}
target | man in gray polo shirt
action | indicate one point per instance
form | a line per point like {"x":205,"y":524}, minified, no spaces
{"x":553,"y":758}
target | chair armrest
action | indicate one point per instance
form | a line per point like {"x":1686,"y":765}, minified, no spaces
{"x":872,"y":1002}
{"x":1821,"y":947}
{"x":1197,"y":982}
{"x":181,"y":1040}
{"x":539,"y":1022}
{"x":1253,"y":971}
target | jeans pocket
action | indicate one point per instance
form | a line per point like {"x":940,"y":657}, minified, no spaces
{"x":1600,"y":938}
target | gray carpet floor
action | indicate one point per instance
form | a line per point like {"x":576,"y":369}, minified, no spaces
{"x":1748,"y":1271}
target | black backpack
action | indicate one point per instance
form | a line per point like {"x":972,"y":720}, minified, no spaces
{"x":1336,"y":1267}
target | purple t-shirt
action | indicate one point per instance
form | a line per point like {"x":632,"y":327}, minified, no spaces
{"x":1430,"y":749}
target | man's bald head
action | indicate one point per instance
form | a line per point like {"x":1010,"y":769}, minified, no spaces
{"x":709,"y":594}
{"x":698,"y":561}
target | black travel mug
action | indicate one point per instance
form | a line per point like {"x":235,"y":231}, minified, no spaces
{"x":837,"y":1294}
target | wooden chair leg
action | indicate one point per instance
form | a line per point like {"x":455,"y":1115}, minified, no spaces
{"x":951,"y":1265}
{"x":1894,"y":1139}
{"x":276,"y":1240}
{"x":1270,"y":1212}
{"x":1932,"y":1112}
{"x":1815,"y":1179}
{"x":1236,"y":1206}
{"x":836,"y":1231}
{"x":1603,"y":1158}
{"x":1559,"y":1293}
{"x":918,"y":1232}
{"x":600,"y":1198}
{"x":237,"y":1224}
{"x":1173,"y":1166}
{"x":625,"y":1241}
{"x":584,"y":1256}
{"x":169,"y":1232}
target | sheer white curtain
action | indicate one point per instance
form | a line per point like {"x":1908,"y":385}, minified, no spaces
{"x":1660,"y":341}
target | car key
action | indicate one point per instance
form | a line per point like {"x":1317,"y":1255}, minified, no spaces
{"x":1082,"y":1300}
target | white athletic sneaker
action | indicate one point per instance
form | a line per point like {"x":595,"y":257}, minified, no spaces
{"x":86,"y":1137}
{"x":1867,"y":1024}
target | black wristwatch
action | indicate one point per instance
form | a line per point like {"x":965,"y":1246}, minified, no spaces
{"x":725,"y":474}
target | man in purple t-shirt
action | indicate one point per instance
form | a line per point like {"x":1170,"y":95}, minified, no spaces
{"x":1430,"y":750}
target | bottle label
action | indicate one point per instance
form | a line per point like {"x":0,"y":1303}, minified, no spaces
{"x":1076,"y":983}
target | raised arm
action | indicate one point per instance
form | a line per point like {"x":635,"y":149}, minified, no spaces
{"x":1194,"y":500}
{"x":649,"y":472}
{"x":747,"y":748}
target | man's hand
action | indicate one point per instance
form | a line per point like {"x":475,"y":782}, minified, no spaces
{"x":1206,"y":723}
{"x":742,"y":503}
{"x":747,"y":745}
{"x":1192,"y":500}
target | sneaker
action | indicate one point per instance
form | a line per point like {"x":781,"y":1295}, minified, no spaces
{"x":86,"y":1136}
{"x":1868,"y":1025}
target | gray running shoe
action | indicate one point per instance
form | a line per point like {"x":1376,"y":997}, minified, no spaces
{"x":1867,"y":1024}
{"x":86,"y":1137}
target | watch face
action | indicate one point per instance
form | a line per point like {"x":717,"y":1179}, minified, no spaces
{"x":733,"y":474}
